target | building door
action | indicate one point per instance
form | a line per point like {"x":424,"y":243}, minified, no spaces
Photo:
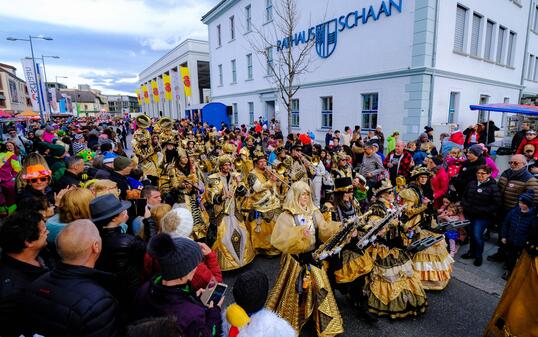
{"x":484,"y":99}
{"x":269,"y":110}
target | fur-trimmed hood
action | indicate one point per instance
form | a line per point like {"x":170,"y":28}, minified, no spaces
{"x":264,"y":323}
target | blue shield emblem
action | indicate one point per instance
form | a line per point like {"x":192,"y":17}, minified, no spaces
{"x":326,"y":38}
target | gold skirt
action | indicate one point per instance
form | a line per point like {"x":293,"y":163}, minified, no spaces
{"x":393,"y":288}
{"x":354,"y":265}
{"x":433,"y":264}
{"x":260,"y":233}
{"x":317,"y":300}
{"x":233,"y":245}
{"x":517,"y":312}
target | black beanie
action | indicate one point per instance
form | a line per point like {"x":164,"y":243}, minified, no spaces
{"x":250,"y":291}
{"x":177,"y":257}
{"x":527,"y":198}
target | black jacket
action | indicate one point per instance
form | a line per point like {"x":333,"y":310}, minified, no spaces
{"x":518,"y":138}
{"x":67,"y":180}
{"x":123,"y":255}
{"x":28,"y":193}
{"x":15,"y":276}
{"x":122,"y":182}
{"x":71,"y":301}
{"x":467,"y":174}
{"x":483,"y":201}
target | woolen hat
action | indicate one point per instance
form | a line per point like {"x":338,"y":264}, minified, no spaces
{"x":250,"y":290}
{"x":107,"y":206}
{"x":476,"y":150}
{"x":178,"y":223}
{"x":121,"y":163}
{"x":176,"y":257}
{"x":108,"y":157}
{"x":527,"y":197}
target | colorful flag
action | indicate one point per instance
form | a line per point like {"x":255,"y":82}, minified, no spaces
{"x":167,"y":87}
{"x":137,"y":91}
{"x":155,"y":90}
{"x":186,"y":80}
{"x":145,"y":93}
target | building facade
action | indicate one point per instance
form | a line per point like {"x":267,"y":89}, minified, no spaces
{"x":86,"y":101}
{"x":122,"y":104}
{"x":192,"y":54}
{"x":401,"y":64}
{"x":14,"y":96}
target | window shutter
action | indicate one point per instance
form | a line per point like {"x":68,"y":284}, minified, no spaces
{"x":460,"y":28}
{"x":488,"y":52}
{"x":475,"y":35}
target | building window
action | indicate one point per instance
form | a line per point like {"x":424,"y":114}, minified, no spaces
{"x":232,"y":28}
{"x":269,"y":57}
{"x":369,"y":111}
{"x":249,"y":66}
{"x":459,"y":36}
{"x":536,"y":19}
{"x":251,"y":113}
{"x":327,"y":112}
{"x":234,"y":72}
{"x":219,"y":36}
{"x":453,"y":106}
{"x":295,"y":113}
{"x":476,"y":35}
{"x":530,"y":68}
{"x":535,"y":77}
{"x":500,"y":45}
{"x":268,"y":10}
{"x":235,"y":119}
{"x":488,"y":50}
{"x":220,"y":75}
{"x":511,"y":49}
{"x":248,"y":18}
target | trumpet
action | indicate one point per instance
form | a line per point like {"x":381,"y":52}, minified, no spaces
{"x":277,"y":174}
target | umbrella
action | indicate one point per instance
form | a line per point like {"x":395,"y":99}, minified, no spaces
{"x":28,"y":113}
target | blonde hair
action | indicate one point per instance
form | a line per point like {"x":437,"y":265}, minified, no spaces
{"x":75,"y":205}
{"x":105,"y":186}
{"x":33,"y":158}
{"x":292,"y":199}
{"x":157,"y":213}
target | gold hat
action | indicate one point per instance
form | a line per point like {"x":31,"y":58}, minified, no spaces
{"x":420,"y":171}
{"x":181,"y":152}
{"x":244,"y":152}
{"x":229,"y":148}
{"x":225,"y":159}
{"x":386,"y":186}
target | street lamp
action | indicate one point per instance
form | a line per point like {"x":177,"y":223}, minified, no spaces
{"x":29,"y":39}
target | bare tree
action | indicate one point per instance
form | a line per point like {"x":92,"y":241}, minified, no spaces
{"x":289,"y":62}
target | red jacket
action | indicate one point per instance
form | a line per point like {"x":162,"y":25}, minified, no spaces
{"x":524,"y":142}
{"x":439,"y":183}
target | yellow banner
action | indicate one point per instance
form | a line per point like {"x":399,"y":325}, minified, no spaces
{"x":167,"y":87}
{"x":137,"y":91}
{"x":155,"y":91}
{"x":186,"y":79}
{"x":145,"y":92}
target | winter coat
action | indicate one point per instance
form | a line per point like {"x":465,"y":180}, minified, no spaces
{"x":263,"y":323}
{"x":513,"y":183}
{"x":481,"y":201}
{"x":524,"y":142}
{"x":194,"y":319}
{"x":371,"y":164}
{"x":494,"y":170}
{"x":419,"y":157}
{"x":516,"y":226}
{"x":122,"y":182}
{"x":518,"y":138}
{"x":453,"y":165}
{"x":488,"y":132}
{"x":439,"y":182}
{"x":15,"y":276}
{"x":123,"y":255}
{"x":28,"y":193}
{"x":207,"y":270}
{"x":67,"y":180}
{"x":404,"y":167}
{"x":71,"y":301}
{"x":467,"y":173}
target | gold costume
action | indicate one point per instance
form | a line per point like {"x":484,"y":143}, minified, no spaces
{"x":434,"y":264}
{"x":263,"y":206}
{"x":233,"y":245}
{"x":517,"y":312}
{"x":295,"y":235}
{"x":142,"y":148}
{"x":298,"y":171}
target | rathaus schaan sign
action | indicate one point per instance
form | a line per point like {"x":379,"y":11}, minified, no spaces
{"x":326,"y":34}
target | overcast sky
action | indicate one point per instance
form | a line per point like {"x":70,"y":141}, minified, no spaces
{"x":104,"y":43}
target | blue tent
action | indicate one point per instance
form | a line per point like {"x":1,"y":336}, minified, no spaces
{"x":214,"y":114}
{"x":522,"y":109}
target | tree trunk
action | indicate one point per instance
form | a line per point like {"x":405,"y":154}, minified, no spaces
{"x":289,"y":115}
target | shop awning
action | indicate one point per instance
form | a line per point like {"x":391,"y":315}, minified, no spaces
{"x":522,"y":109}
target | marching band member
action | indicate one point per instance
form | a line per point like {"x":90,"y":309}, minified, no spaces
{"x":143,"y":150}
{"x":302,"y":290}
{"x":233,"y":244}
{"x":262,"y":204}
{"x":298,"y":170}
{"x":168,"y":167}
{"x":434,"y":263}
{"x":341,"y":167}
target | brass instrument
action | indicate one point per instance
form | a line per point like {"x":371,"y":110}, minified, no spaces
{"x":230,"y":200}
{"x":310,"y":162}
{"x":276,"y":174}
{"x":335,"y":244}
{"x":370,"y":237}
{"x":314,"y":160}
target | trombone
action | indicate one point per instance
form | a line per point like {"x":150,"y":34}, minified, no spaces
{"x":280,"y":169}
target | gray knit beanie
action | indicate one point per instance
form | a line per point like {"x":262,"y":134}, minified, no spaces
{"x":177,"y":258}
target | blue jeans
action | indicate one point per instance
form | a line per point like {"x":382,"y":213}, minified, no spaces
{"x":477,"y":228}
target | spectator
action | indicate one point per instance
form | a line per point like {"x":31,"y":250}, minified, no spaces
{"x":454,"y":161}
{"x":381,"y":137}
{"x":423,"y":151}
{"x":475,"y":159}
{"x":122,"y":254}
{"x":73,"y":287}
{"x":429,"y":131}
{"x":74,"y":205}
{"x":104,"y":186}
{"x":472,"y":135}
{"x":178,"y":224}
{"x":371,"y":166}
{"x":9,"y":168}
{"x":71,"y":176}
{"x":22,"y":237}
{"x":481,"y":201}
{"x":439,"y":179}
{"x":346,"y":137}
{"x":391,"y":141}
{"x":122,"y":168}
{"x":55,"y":159}
{"x":515,"y":229}
{"x":530,"y":138}
{"x":489,"y":161}
{"x":152,"y":195}
{"x":520,"y":135}
{"x":399,"y":162}
{"x":106,"y":167}
{"x":529,"y":152}
{"x":171,"y":294}
{"x":37,"y":179}
{"x":488,"y":134}
{"x":18,"y":140}
{"x":247,"y":317}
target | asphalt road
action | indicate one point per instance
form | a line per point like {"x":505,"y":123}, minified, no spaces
{"x":458,"y":311}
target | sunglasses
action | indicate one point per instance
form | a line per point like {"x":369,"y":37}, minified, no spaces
{"x":42,"y":179}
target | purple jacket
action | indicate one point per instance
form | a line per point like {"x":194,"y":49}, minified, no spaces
{"x":193,"y":318}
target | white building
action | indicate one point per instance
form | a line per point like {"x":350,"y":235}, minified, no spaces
{"x":399,"y":63}
{"x":193,"y":54}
